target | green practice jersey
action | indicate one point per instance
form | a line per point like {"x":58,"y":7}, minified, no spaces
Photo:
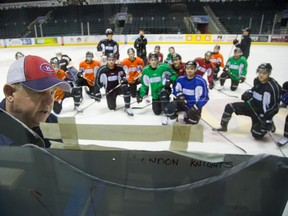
{"x":237,"y":67}
{"x":156,"y":79}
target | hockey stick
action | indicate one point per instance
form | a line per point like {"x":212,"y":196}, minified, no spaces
{"x":84,"y":108}
{"x":111,"y":90}
{"x":232,"y":47}
{"x":229,"y":95}
{"x":248,"y":84}
{"x":223,"y":136}
{"x":142,"y":107}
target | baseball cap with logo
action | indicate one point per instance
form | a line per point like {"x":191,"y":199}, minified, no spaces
{"x":35,"y":73}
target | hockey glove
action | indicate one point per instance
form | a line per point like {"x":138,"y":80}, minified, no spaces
{"x":79,"y":74}
{"x":211,"y":85}
{"x":181,"y":100}
{"x":124,"y":81}
{"x":216,"y":70}
{"x":247,"y":95}
{"x":96,"y":96}
{"x":167,"y":84}
{"x":242,"y":79}
{"x":235,"y":41}
{"x":139,"y":99}
{"x":194,"y":109}
{"x":226,"y":69}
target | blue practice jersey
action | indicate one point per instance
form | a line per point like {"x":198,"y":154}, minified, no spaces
{"x":195,"y":90}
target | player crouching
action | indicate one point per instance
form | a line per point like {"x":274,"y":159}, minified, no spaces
{"x":191,"y":95}
{"x":113,"y":78}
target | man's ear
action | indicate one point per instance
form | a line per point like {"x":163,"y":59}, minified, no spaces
{"x":8,"y":91}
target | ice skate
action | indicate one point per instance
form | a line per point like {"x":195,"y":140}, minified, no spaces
{"x":165,"y":120}
{"x":129,"y":111}
{"x":220,"y":129}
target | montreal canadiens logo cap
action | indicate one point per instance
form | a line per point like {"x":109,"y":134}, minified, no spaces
{"x":35,"y":73}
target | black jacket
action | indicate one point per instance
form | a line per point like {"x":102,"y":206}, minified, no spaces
{"x":14,"y":132}
{"x":245,"y":45}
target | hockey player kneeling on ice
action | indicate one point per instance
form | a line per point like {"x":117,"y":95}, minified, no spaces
{"x":113,"y":78}
{"x":235,"y":69}
{"x":261,"y":103}
{"x":86,"y":75}
{"x":191,"y":95}
{"x":159,"y":76}
{"x":60,"y":95}
{"x":133,"y":67}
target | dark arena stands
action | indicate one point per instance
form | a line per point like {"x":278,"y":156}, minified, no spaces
{"x":71,"y":17}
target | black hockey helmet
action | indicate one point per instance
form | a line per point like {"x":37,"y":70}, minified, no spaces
{"x":130,"y":50}
{"x":238,"y":50}
{"x":54,"y":62}
{"x":191,"y":64}
{"x":19,"y":55}
{"x":110,"y":56}
{"x":89,"y":54}
{"x":217,"y":46}
{"x":265,"y":66}
{"x":176,"y":56}
{"x":153,"y":55}
{"x":157,"y":47}
{"x":109,"y":31}
{"x":171,"y":48}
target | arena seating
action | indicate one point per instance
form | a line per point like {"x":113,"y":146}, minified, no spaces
{"x":166,"y":18}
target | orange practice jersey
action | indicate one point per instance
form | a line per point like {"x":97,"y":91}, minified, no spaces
{"x":217,"y":57}
{"x":59,"y":94}
{"x":133,"y":69}
{"x":89,"y":70}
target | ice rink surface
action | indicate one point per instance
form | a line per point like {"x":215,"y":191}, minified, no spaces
{"x":239,"y":126}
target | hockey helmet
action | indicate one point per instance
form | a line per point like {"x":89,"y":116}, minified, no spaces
{"x":19,"y":55}
{"x":89,"y":54}
{"x":217,"y":47}
{"x":191,"y":64}
{"x":110,"y":56}
{"x":237,"y":50}
{"x":58,"y":52}
{"x":153,"y":55}
{"x":109,"y":31}
{"x":265,"y":66}
{"x":208,"y":53}
{"x":130,"y":50}
{"x":176,"y":56}
{"x":54,"y":62}
{"x":171,"y":48}
{"x":157,"y":47}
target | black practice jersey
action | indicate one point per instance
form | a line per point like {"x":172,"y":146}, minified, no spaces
{"x":110,"y":78}
{"x":63,"y":62}
{"x":108,"y":46}
{"x":266,"y":97}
